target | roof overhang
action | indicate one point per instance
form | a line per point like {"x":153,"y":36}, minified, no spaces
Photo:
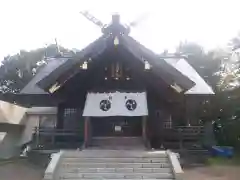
{"x":29,"y":100}
{"x":200,"y":87}
{"x":91,"y":51}
{"x":169,"y":74}
{"x":42,"y":111}
{"x":172,"y":76}
{"x":52,"y":64}
{"x":6,"y":127}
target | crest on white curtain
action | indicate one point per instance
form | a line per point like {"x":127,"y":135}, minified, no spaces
{"x":115,"y":104}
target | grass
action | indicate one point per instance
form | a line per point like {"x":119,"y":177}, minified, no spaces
{"x":235,"y":160}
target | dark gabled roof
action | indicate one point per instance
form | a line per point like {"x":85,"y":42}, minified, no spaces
{"x":32,"y":87}
{"x":160,"y":67}
{"x":201,"y":87}
{"x":92,"y":50}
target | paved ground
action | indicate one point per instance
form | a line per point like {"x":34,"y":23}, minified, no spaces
{"x":212,"y":173}
{"x":22,"y":170}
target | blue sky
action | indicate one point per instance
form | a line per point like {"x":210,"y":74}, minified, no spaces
{"x":29,"y":24}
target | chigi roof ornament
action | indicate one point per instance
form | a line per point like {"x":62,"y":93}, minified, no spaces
{"x":115,"y":28}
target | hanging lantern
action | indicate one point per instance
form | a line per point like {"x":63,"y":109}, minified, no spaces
{"x":20,"y":73}
{"x":146,"y":65}
{"x":116,"y":41}
{"x":85,"y":65}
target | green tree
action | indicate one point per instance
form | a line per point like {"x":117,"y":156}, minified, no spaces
{"x":17,"y":70}
{"x":205,"y":63}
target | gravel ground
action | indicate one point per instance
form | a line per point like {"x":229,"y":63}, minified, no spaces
{"x":23,"y":170}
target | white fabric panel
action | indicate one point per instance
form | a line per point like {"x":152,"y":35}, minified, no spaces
{"x":118,"y":104}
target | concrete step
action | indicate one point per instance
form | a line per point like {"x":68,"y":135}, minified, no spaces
{"x":117,"y":160}
{"x":113,"y":154}
{"x":116,"y":170}
{"x":112,"y":179}
{"x":117,"y":143}
{"x":117,"y":175}
{"x":117,"y":140}
{"x":114,"y":165}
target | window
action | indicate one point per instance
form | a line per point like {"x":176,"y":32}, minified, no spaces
{"x":71,"y":118}
{"x":165,"y":118}
{"x":168,"y":123}
{"x":69,"y":111}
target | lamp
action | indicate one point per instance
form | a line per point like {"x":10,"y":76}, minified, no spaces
{"x":116,"y":41}
{"x":146,"y":65}
{"x":85,"y":65}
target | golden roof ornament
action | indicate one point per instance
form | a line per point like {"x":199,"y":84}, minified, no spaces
{"x":54,"y":87}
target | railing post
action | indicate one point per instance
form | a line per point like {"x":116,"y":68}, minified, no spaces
{"x":53,"y":138}
{"x":180,"y":131}
{"x":37,"y":136}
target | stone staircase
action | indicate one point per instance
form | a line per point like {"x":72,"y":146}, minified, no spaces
{"x":117,"y":143}
{"x":112,"y":164}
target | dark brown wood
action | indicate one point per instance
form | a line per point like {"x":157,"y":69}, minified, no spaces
{"x":144,"y":130}
{"x":45,"y":138}
{"x":86,"y":131}
{"x":37,"y":131}
{"x":56,"y":132}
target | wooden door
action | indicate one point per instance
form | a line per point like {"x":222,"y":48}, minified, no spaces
{"x":117,"y":126}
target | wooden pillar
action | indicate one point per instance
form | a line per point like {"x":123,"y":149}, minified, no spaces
{"x":86,"y":131}
{"x":187,"y":112}
{"x":60,"y":116}
{"x":144,"y":130}
{"x":37,"y":131}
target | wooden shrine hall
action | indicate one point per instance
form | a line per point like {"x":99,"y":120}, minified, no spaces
{"x":117,"y":89}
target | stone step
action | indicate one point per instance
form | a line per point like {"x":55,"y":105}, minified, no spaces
{"x":117,"y":160}
{"x":114,"y":154}
{"x":116,"y":170}
{"x":115,"y":147}
{"x":116,"y":140}
{"x":116,"y":175}
{"x":114,"y":179}
{"x":114,"y":165}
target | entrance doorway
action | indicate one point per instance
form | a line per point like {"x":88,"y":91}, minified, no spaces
{"x":116,"y":126}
